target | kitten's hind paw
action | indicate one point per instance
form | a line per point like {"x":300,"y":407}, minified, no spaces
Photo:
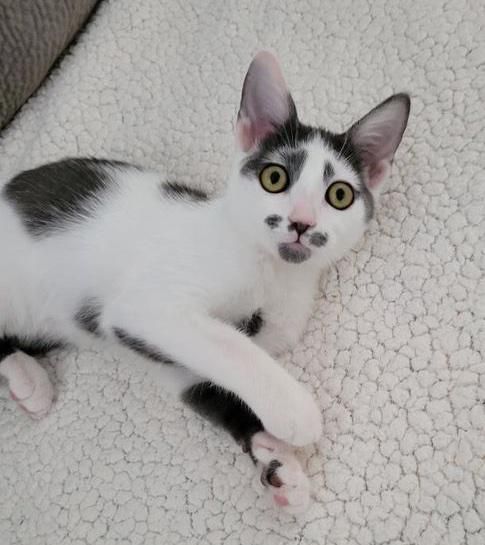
{"x":282,"y":474}
{"x":29,"y":384}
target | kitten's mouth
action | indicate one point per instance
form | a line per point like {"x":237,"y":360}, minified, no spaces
{"x":294,"y":252}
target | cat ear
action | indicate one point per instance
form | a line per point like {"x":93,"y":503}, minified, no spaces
{"x":378,"y":134}
{"x":266,"y":103}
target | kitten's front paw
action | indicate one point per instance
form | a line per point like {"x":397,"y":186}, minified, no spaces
{"x":281,"y":473}
{"x":298,"y":421}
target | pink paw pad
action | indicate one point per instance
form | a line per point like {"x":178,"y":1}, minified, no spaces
{"x":282,"y":474}
{"x":281,"y":501}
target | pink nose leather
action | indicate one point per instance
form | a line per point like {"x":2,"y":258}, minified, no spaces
{"x":302,"y":212}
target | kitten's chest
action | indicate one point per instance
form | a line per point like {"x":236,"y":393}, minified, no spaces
{"x":253,"y":292}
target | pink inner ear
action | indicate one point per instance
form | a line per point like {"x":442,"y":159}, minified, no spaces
{"x":250,"y":133}
{"x":377,"y":172}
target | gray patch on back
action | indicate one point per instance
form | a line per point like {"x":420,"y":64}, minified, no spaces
{"x":53,"y":197}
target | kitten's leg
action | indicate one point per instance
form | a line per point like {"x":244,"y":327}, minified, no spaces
{"x":226,"y":357}
{"x":28,"y":383}
{"x":281,"y":472}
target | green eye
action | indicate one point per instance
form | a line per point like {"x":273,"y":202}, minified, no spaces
{"x":274,"y":178}
{"x":340,"y":195}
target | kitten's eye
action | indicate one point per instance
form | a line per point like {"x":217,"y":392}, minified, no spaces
{"x":273,"y":178}
{"x":340,"y":195}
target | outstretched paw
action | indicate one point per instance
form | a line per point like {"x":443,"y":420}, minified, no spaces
{"x":282,"y":474}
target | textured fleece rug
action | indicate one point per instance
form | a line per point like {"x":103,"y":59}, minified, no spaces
{"x":394,"y":351}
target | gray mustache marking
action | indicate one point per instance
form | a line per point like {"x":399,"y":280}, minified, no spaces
{"x":318,"y":239}
{"x":273,"y":220}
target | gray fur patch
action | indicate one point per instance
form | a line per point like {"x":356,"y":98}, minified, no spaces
{"x":252,"y":326}
{"x":273,"y":221}
{"x":293,"y":255}
{"x":295,"y":135}
{"x":141,"y":347}
{"x":52,"y":197}
{"x":318,"y":239}
{"x":87,"y":317}
{"x":175,"y":190}
{"x":292,"y":159}
{"x":328,"y":171}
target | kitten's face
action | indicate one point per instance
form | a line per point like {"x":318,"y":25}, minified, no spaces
{"x":325,"y":207}
{"x":304,"y":194}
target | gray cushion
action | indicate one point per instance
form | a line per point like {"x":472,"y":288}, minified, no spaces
{"x":33,"y":33}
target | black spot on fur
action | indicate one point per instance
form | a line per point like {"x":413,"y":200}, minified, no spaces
{"x":318,"y":239}
{"x":141,"y":347}
{"x":252,"y":326}
{"x":224,"y":409}
{"x":328,"y":171}
{"x":87,"y":317}
{"x":175,"y":190}
{"x":52,"y":197}
{"x":33,"y":347}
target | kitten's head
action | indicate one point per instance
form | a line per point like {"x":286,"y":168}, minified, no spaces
{"x":304,"y":193}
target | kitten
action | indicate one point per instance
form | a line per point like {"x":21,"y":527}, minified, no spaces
{"x":214,"y":288}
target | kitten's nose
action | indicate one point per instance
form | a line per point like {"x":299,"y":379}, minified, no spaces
{"x":299,"y":227}
{"x":302,"y":213}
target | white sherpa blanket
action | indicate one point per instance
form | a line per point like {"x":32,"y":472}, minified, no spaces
{"x":394,"y":351}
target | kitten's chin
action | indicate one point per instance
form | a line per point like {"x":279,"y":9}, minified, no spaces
{"x":294,"y":252}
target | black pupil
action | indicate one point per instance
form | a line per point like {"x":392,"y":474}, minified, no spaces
{"x":340,"y":194}
{"x":274,"y":177}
